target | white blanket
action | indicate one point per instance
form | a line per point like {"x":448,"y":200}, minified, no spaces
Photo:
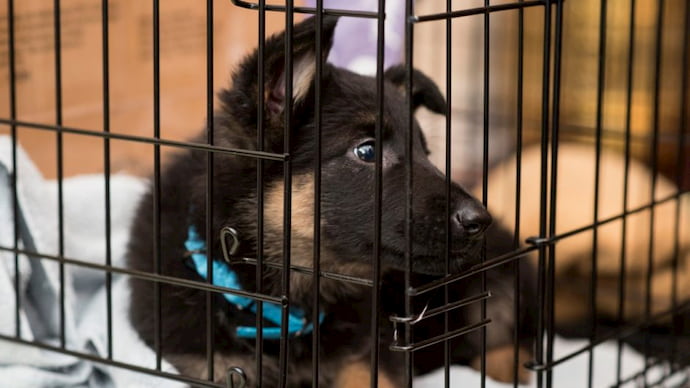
{"x":85,"y":300}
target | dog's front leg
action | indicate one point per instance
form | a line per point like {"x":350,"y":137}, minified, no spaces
{"x":357,"y":374}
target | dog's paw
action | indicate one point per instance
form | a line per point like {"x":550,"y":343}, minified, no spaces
{"x":500,"y":364}
{"x":358,"y":374}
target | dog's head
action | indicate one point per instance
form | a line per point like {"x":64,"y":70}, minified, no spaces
{"x":349,"y":117}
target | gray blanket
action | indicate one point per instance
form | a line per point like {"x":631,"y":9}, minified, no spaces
{"x":85,"y":297}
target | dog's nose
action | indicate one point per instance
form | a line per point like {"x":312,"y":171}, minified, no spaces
{"x":472,"y":220}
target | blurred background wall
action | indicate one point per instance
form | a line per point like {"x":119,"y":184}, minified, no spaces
{"x":578,"y":91}
{"x":183,"y":74}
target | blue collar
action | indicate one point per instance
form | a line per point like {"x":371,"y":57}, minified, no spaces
{"x":224,"y":276}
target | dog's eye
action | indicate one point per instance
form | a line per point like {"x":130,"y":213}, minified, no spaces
{"x":366,"y":151}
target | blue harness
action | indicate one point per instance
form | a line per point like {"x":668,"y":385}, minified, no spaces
{"x":223,"y":276}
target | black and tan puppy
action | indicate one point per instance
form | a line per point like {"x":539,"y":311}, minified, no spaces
{"x":349,"y":115}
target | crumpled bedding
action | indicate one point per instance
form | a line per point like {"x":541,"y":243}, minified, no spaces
{"x":85,"y":294}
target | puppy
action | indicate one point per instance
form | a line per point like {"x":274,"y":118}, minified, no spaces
{"x":349,"y":116}
{"x":575,"y":209}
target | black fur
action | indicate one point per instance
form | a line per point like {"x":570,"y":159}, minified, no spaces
{"x":347,"y":207}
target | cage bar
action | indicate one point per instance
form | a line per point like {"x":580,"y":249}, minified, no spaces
{"x":11,"y":53}
{"x":57,"y":35}
{"x":147,"y":140}
{"x":544,"y":244}
{"x":597,"y":176}
{"x":518,"y":186}
{"x":287,"y":193}
{"x":409,"y":41}
{"x":448,"y":150}
{"x":626,"y":177}
{"x":654,"y":168}
{"x":306,"y":10}
{"x":378,"y":194}
{"x":156,"y":184}
{"x":316,"y":263}
{"x":105,"y":47}
{"x":260,"y":190}
{"x":210,"y":235}
{"x":541,"y":266}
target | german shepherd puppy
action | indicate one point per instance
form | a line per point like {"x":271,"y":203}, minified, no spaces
{"x":347,"y":205}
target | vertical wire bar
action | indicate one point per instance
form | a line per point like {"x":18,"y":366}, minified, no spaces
{"x":597,"y":174}
{"x":106,"y":174}
{"x":654,"y":165}
{"x":409,"y":40}
{"x":156,"y":184}
{"x":260,"y":193}
{"x":13,"y":136}
{"x":58,"y":134}
{"x":449,"y":115}
{"x":680,"y":173}
{"x":287,"y":199}
{"x":541,"y":281}
{"x":485,"y":182}
{"x":554,"y":186}
{"x":317,"y":194}
{"x":518,"y":186}
{"x":210,"y":296}
{"x":626,"y":170}
{"x":376,"y":267}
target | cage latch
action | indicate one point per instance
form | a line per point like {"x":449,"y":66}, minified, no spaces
{"x":410,"y":321}
{"x":236,"y":378}
{"x":232,"y":233}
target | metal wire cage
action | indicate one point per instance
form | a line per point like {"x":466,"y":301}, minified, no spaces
{"x":629,"y":95}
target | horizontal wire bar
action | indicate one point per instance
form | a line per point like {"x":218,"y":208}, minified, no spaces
{"x":621,"y":332}
{"x":661,"y":380}
{"x":537,"y":242}
{"x":476,"y":11}
{"x":308,"y":10}
{"x":639,"y":374}
{"x":148,"y":140}
{"x":118,"y":364}
{"x":148,"y":276}
{"x":414,"y":19}
{"x":413,"y":320}
{"x":440,"y":338}
{"x":613,"y":135}
{"x":488,"y":264}
{"x":618,"y":135}
{"x":646,"y":368}
{"x":605,"y":221}
{"x":309,"y":271}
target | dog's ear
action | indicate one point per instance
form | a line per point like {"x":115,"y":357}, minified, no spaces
{"x":241,"y":101}
{"x":303,"y":62}
{"x":424,"y":90}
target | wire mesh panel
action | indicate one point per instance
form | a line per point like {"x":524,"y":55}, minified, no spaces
{"x":466,"y":193}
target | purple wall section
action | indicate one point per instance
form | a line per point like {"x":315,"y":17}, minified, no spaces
{"x":355,"y":39}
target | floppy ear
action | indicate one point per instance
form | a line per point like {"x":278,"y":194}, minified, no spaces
{"x":424,"y":90}
{"x":303,"y":63}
